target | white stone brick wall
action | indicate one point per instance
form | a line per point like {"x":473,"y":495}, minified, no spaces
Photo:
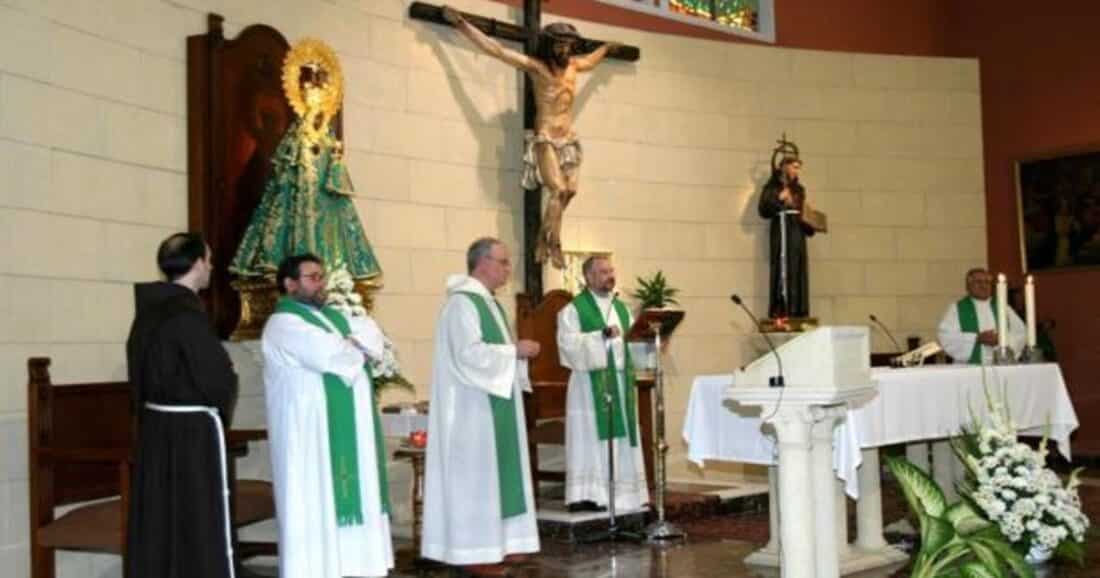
{"x":93,"y":161}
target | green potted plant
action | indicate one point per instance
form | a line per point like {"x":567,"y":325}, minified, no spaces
{"x":956,"y":541}
{"x":654,"y":292}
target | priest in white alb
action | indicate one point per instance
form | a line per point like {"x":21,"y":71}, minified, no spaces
{"x":327,"y":452}
{"x":479,"y":506}
{"x":968,"y":330}
{"x":601,"y":401}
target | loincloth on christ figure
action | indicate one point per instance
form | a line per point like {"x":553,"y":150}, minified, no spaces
{"x":570,"y":155}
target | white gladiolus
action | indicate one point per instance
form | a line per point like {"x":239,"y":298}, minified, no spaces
{"x":341,"y":295}
{"x":1011,"y":484}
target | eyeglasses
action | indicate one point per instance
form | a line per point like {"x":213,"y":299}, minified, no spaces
{"x":503,"y":262}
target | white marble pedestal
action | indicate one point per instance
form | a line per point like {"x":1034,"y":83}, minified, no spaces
{"x":808,"y":512}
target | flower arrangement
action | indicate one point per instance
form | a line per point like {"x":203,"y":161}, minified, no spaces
{"x":341,"y":295}
{"x":1009,"y":482}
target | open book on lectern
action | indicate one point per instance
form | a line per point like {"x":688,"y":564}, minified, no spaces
{"x":836,"y":357}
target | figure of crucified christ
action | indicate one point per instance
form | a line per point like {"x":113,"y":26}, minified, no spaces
{"x":553,"y":154}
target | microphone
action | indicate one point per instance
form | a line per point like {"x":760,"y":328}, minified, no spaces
{"x":887,"y":332}
{"x":607,"y":316}
{"x":777,"y":380}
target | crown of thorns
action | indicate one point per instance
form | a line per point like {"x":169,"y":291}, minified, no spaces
{"x":561,"y":31}
{"x":786,"y":150}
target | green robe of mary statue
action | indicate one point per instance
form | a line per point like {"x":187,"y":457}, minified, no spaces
{"x":306,"y":208}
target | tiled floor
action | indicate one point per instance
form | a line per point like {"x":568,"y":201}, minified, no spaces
{"x":715,"y":548}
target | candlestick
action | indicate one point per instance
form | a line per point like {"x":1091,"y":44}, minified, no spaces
{"x":1002,"y":319}
{"x":1029,"y":306}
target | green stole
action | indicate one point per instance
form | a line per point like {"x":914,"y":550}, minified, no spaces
{"x":593,"y":320}
{"x":505,"y":428}
{"x":968,"y":322}
{"x":343,"y":446}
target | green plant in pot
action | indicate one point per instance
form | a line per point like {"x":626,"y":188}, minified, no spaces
{"x":955,"y":540}
{"x":655,"y":292}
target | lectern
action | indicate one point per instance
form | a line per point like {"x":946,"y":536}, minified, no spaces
{"x":656,"y":325}
{"x":824,"y":370}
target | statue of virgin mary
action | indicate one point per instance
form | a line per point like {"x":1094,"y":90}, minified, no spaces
{"x":306,"y":205}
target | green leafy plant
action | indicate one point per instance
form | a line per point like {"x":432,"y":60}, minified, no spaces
{"x":654,"y":292}
{"x":955,"y":540}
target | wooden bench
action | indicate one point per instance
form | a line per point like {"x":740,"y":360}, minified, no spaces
{"x":80,"y":446}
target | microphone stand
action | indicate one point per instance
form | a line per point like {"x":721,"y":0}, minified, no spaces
{"x":775,"y":380}
{"x":887,"y":332}
{"x":661,"y":529}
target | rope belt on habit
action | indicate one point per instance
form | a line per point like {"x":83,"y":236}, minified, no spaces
{"x":213,"y":413}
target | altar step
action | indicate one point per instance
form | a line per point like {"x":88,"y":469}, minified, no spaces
{"x":684,"y":501}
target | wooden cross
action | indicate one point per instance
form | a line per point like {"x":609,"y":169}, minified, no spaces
{"x":528,"y":34}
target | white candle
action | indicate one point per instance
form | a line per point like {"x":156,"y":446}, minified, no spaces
{"x":1002,"y":299}
{"x":1029,"y":305}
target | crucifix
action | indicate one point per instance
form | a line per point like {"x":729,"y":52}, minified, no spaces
{"x":551,"y":59}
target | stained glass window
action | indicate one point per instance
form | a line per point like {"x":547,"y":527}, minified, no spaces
{"x":737,"y":13}
{"x":753,"y":18}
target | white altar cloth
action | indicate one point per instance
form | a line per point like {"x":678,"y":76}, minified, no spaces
{"x":922,"y":403}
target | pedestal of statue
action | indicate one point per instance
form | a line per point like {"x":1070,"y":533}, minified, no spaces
{"x":788,"y":324}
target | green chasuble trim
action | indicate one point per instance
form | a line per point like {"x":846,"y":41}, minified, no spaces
{"x":968,"y":323}
{"x":505,"y":420}
{"x":342,"y":432}
{"x":593,"y":320}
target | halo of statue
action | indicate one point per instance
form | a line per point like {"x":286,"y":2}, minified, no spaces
{"x":313,"y":64}
{"x":786,"y":150}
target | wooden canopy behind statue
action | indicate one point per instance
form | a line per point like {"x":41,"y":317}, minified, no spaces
{"x":237,"y":113}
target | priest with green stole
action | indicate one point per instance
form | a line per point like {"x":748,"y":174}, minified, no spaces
{"x":479,"y":507}
{"x":591,"y":332}
{"x":327,"y":452}
{"x":968,"y":331}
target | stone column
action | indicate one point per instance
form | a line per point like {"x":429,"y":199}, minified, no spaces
{"x":917,"y":454}
{"x":826,"y":556}
{"x":869,"y":506}
{"x":842,"y":548}
{"x":772,"y":547}
{"x":943,"y":468}
{"x":793,"y":427}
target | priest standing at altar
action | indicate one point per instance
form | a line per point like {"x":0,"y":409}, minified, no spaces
{"x":968,"y":330}
{"x":591,"y":342}
{"x":479,"y":507}
{"x":327,"y":452}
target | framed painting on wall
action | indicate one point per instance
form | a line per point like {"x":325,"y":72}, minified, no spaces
{"x":1059,"y":211}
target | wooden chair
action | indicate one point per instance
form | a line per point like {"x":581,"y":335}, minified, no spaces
{"x":545,"y":406}
{"x":80,"y":445}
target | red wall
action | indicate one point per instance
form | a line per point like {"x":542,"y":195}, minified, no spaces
{"x":1040,"y":94}
{"x":882,"y":26}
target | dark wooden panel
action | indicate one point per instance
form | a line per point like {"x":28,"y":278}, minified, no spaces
{"x":236,"y":115}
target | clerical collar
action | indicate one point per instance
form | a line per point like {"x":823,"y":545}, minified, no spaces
{"x":306,"y":302}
